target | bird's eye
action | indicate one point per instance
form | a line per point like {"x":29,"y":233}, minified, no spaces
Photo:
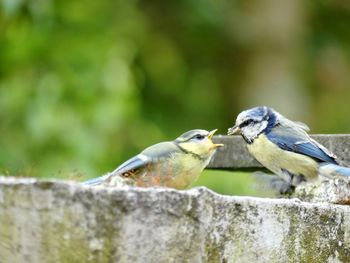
{"x":246,"y":123}
{"x":199,"y":137}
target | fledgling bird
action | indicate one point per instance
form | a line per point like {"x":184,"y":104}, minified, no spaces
{"x":176,"y":164}
{"x":284,"y":147}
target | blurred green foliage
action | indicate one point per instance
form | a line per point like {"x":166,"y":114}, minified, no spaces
{"x":85,"y":85}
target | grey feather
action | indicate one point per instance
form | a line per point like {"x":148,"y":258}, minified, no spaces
{"x":151,"y":155}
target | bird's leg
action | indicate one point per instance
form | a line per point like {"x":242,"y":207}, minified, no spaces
{"x":292,"y":181}
{"x":278,"y":184}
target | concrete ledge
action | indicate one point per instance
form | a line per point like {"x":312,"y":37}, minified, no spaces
{"x":235,"y":156}
{"x":67,"y":222}
{"x":336,"y":191}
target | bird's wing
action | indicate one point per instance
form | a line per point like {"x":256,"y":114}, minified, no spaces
{"x":147,"y":157}
{"x":132,"y":167}
{"x":161,"y":150}
{"x":295,"y":139}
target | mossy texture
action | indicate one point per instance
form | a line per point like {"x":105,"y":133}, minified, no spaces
{"x":67,"y":222}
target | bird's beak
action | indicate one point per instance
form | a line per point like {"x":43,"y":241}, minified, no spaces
{"x":234,"y":130}
{"x":210,"y":136}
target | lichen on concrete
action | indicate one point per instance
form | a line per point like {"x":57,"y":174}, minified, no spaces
{"x":336,"y":191}
{"x":67,"y":222}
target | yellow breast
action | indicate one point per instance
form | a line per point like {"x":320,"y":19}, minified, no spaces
{"x":178,"y":172}
{"x":275,"y":159}
{"x":187,"y":171}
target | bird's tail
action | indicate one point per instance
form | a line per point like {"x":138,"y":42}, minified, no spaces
{"x":110,"y":179}
{"x":333,"y":170}
{"x":96,"y":181}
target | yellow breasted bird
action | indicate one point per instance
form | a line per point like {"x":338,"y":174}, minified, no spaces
{"x":176,"y":164}
{"x":284,"y":146}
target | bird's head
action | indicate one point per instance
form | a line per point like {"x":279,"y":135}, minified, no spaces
{"x":198,"y":142}
{"x":252,"y":122}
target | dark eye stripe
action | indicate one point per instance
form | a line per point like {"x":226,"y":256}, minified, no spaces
{"x":246,"y":123}
{"x":198,"y":137}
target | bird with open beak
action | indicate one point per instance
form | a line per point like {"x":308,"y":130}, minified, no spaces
{"x":176,"y":164}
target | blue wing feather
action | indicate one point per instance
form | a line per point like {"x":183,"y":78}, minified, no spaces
{"x":150,"y":154}
{"x":146,"y":157}
{"x":131,"y":164}
{"x":296,"y":140}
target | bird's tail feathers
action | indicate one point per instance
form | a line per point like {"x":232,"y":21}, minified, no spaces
{"x":96,"y":181}
{"x":110,"y":179}
{"x":333,"y":170}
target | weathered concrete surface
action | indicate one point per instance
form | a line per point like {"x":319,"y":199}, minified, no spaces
{"x":336,"y":191}
{"x":67,"y":222}
{"x":235,"y":155}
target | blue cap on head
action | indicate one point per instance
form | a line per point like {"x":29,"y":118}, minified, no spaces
{"x":256,"y":113}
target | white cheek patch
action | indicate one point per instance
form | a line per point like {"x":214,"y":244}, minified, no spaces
{"x":250,"y":132}
{"x":253,"y":131}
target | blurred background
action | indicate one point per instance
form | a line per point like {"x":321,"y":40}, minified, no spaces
{"x":84,"y":85}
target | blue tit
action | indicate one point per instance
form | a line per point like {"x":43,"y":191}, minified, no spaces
{"x":284,"y":147}
{"x":176,"y":164}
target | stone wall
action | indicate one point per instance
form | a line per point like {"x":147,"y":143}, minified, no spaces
{"x":51,"y":221}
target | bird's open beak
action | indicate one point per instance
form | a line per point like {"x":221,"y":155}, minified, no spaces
{"x":234,"y":130}
{"x":210,"y":136}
